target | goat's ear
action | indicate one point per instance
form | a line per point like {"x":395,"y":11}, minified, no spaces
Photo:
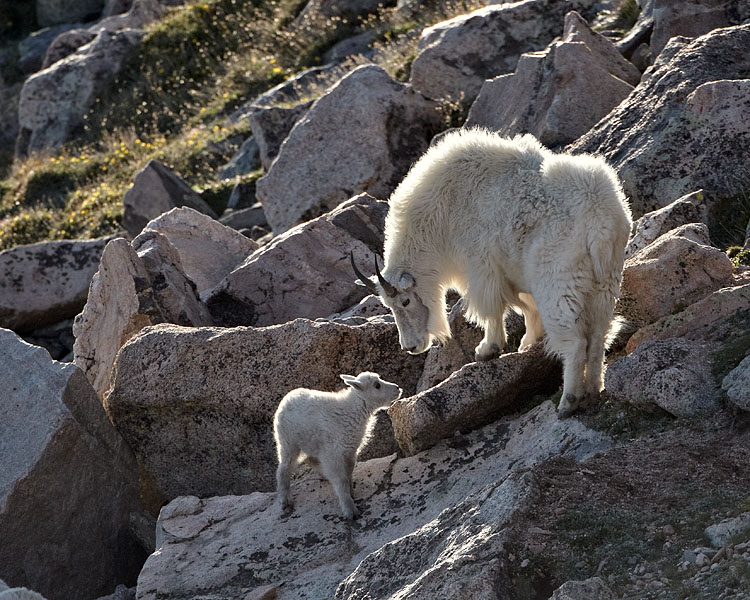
{"x":406,"y":281}
{"x":351,"y":382}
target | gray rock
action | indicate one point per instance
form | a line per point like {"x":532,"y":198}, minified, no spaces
{"x":473,"y":396}
{"x":19,"y":594}
{"x":361,"y":136}
{"x":691,"y":208}
{"x":456,"y":56}
{"x":737,"y":385}
{"x":681,"y":129}
{"x":674,"y":374}
{"x":444,"y":359}
{"x":369,"y":306}
{"x":718,"y":317}
{"x":47,"y":282}
{"x":271,"y":126}
{"x":676,"y":270}
{"x":723,"y":533}
{"x":244,"y":218}
{"x":208,"y":250}
{"x":245,"y":160}
{"x":54,"y":101}
{"x":55,"y":12}
{"x":357,"y":45}
{"x":32,"y":49}
{"x":155,"y":191}
{"x":589,"y":589}
{"x":197,"y":404}
{"x":565,"y":89}
{"x":432,"y":525}
{"x":305,"y":272}
{"x":66,"y":44}
{"x":68,"y":481}
{"x":317,"y":11}
{"x":689,"y":18}
{"x":298,"y":88}
{"x":243,"y":196}
{"x":132,"y":289}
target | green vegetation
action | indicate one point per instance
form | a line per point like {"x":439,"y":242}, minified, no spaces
{"x":172,"y":100}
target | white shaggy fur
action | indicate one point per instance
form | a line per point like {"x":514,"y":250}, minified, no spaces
{"x":509,"y":224}
{"x":329,"y":427}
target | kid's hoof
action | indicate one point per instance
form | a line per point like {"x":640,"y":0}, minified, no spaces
{"x":568,"y":406}
{"x":482,"y":355}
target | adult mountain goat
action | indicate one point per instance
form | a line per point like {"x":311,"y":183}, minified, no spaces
{"x":508,"y":224}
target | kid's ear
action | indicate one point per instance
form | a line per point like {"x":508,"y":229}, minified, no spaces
{"x":351,"y":382}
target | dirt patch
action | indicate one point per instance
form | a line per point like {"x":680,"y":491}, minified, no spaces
{"x":635,"y":516}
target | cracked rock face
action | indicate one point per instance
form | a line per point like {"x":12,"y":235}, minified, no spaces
{"x":433,"y":525}
{"x":362,"y":135}
{"x":682,"y":128}
{"x":45,"y":283}
{"x":197,"y":404}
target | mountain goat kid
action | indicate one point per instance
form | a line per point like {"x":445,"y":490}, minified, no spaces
{"x":508,"y":224}
{"x":329,"y":427}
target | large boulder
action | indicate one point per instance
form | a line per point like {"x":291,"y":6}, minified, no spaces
{"x":68,"y":483}
{"x":197,"y":404}
{"x":456,"y":56}
{"x":433,"y":525}
{"x":564,"y":89}
{"x":683,"y":127}
{"x":133,"y":288}
{"x":45,"y":283}
{"x":155,"y":191}
{"x":208,"y":250}
{"x":31,"y":50}
{"x":55,"y":12}
{"x":362,"y":135}
{"x":589,"y":589}
{"x":54,"y":101}
{"x":676,"y":270}
{"x":305,"y":272}
{"x":473,"y":396}
{"x":673,"y":374}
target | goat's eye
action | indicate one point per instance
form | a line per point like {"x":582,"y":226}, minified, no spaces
{"x":377,"y":385}
{"x":405,"y":302}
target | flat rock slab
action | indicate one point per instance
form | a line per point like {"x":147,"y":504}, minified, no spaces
{"x":45,"y":283}
{"x":68,"y":482}
{"x":432,"y":524}
{"x":197,"y":404}
{"x":473,"y":396}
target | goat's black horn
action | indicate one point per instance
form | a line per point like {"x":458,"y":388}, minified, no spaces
{"x":365,"y":280}
{"x":387,"y":287}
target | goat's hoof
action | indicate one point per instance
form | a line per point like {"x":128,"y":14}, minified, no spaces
{"x":488,"y":353}
{"x":351,"y":515}
{"x":568,"y":406}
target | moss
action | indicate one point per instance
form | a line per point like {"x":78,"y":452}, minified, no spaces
{"x":25,"y":229}
{"x":217,"y":195}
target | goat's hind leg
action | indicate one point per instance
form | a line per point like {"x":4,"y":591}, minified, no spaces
{"x":283,"y":475}
{"x":534,"y":327}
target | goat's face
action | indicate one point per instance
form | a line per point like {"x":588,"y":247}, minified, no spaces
{"x":411,"y":314}
{"x":376,"y":391}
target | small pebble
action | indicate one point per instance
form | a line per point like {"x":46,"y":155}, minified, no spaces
{"x":524,"y":563}
{"x":668,"y":530}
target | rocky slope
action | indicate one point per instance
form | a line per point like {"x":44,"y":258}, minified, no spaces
{"x":136,"y":455}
